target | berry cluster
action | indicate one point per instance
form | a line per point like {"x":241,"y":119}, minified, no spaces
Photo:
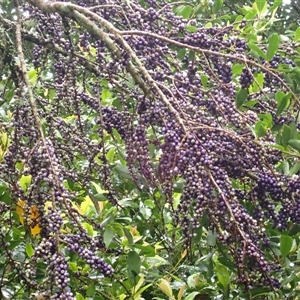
{"x":170,"y":90}
{"x":246,"y":78}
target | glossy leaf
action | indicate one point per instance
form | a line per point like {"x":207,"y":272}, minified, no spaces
{"x":128,"y":236}
{"x":285,"y":167}
{"x":148,"y":251}
{"x":286,"y":243}
{"x":89,"y":228}
{"x":241,"y":97}
{"x":191,"y":296}
{"x":79,"y":297}
{"x":29,"y":250}
{"x":276,"y":4}
{"x":295,"y":169}
{"x":191,"y":28}
{"x":181,"y":291}
{"x":283,"y":103}
{"x":133,"y":263}
{"x":272,"y":46}
{"x":91,"y":290}
{"x":108,"y":236}
{"x":165,"y":287}
{"x":110,"y":154}
{"x":297,"y":34}
{"x":250,"y":14}
{"x":256,"y":49}
{"x":184,"y":11}
{"x":223,"y":275}
{"x":295,"y":144}
{"x":217,"y":5}
{"x":237,"y":68}
{"x":260,"y":129}
{"x":260,"y":4}
{"x":286,"y":135}
{"x":25,"y":181}
{"x":123,"y":171}
{"x":141,"y":290}
{"x":105,"y":95}
{"x":204,"y":80}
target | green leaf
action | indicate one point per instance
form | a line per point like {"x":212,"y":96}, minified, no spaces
{"x":128,"y":235}
{"x":148,"y":251}
{"x":90,"y":291}
{"x":226,"y":262}
{"x":260,"y":129}
{"x":15,"y":230}
{"x":260,"y":4}
{"x":251,"y":103}
{"x":25,"y":181}
{"x":286,"y":243}
{"x":223,"y":275}
{"x":276,"y":4}
{"x":258,"y":83}
{"x":97,"y":187}
{"x":256,"y":292}
{"x":267,"y":119}
{"x":133,"y":263}
{"x":99,"y":197}
{"x":150,"y":203}
{"x":191,"y":296}
{"x":256,"y":49}
{"x":73,"y":266}
{"x":297,"y":34}
{"x":237,"y":68}
{"x":286,"y":135}
{"x":184,"y":11}
{"x":123,"y":171}
{"x":79,"y":297}
{"x":204,"y":80}
{"x":181,"y":54}
{"x":108,"y":235}
{"x":238,"y":19}
{"x":272,"y":46}
{"x":191,"y":55}
{"x":32,"y":74}
{"x":293,"y":130}
{"x":241,"y":97}
{"x":279,"y":95}
{"x":250,"y":14}
{"x":191,"y":28}
{"x":295,"y":168}
{"x":217,"y":5}
{"x":285,"y":167}
{"x":89,"y":228}
{"x":105,"y":95}
{"x":29,"y":250}
{"x":140,"y":291}
{"x":283,"y":104}
{"x":295,"y":144}
{"x":110,"y":154}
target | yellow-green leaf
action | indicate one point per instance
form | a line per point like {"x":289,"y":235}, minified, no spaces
{"x":165,"y":287}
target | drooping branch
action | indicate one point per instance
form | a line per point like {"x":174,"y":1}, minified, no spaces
{"x":77,"y":12}
{"x":25,"y":74}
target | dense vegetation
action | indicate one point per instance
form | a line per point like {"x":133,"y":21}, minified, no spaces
{"x":149,"y":150}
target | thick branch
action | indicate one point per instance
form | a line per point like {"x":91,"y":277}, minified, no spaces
{"x":78,"y":12}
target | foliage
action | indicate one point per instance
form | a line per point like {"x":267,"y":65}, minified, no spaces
{"x":148,"y":153}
